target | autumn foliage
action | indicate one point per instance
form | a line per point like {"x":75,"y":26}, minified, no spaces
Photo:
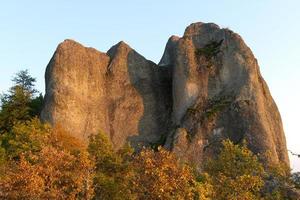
{"x":48,"y":170}
{"x":236,"y":173}
{"x":42,"y":162}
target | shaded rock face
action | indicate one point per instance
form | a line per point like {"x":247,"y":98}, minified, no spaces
{"x":207,"y":87}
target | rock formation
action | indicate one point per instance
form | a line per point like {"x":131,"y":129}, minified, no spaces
{"x":218,"y":93}
{"x":120,"y":93}
{"x":207,"y":87}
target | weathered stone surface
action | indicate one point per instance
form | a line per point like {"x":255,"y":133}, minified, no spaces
{"x":207,"y":87}
{"x":218,"y":93}
{"x":169,"y":53}
{"x":120,"y":93}
{"x":75,"y":93}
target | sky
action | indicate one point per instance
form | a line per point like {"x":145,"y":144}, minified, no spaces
{"x":31,"y":30}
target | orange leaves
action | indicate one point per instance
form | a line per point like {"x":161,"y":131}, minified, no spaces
{"x":21,"y":182}
{"x":47,"y":163}
{"x":40,"y":167}
{"x":62,"y":139}
{"x":51,"y":174}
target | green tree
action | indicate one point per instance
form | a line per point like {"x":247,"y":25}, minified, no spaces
{"x":236,"y":173}
{"x":25,"y":81}
{"x":20,"y":103}
{"x":112,"y":169}
{"x":2,"y":161}
{"x":277,"y":179}
{"x":35,"y":105}
{"x":24,"y":137}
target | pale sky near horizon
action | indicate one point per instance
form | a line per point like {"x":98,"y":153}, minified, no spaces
{"x":30,"y":31}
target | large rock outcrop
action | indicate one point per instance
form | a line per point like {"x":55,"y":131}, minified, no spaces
{"x":120,"y":93}
{"x":207,"y":87}
{"x":218,"y":93}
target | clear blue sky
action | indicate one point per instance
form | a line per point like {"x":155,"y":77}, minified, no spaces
{"x":31,"y":30}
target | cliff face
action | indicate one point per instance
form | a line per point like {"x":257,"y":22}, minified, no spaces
{"x":207,"y":87}
{"x":120,"y":93}
{"x":218,"y":93}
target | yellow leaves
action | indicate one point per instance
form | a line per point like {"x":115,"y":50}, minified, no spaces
{"x":159,"y":175}
{"x":25,"y":137}
{"x":55,"y":165}
{"x":236,"y":173}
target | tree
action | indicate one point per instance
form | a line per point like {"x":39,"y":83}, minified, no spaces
{"x":2,"y":161}
{"x":35,"y":105}
{"x":24,"y":137}
{"x":277,"y":178}
{"x":25,"y":81}
{"x":50,"y":174}
{"x":40,"y":165}
{"x":14,"y":108}
{"x":148,"y":174}
{"x":112,"y":169}
{"x":236,"y":173}
{"x":20,"y":103}
{"x":160,"y":175}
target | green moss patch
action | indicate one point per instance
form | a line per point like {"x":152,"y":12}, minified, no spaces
{"x":210,"y":50}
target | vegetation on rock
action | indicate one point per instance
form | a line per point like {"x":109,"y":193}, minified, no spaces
{"x":209,"y":50}
{"x":206,"y":54}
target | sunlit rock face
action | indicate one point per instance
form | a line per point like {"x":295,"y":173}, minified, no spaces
{"x":119,"y":93}
{"x":207,"y":87}
{"x":218,"y":93}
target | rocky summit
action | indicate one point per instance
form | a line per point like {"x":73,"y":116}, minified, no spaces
{"x":206,"y":88}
